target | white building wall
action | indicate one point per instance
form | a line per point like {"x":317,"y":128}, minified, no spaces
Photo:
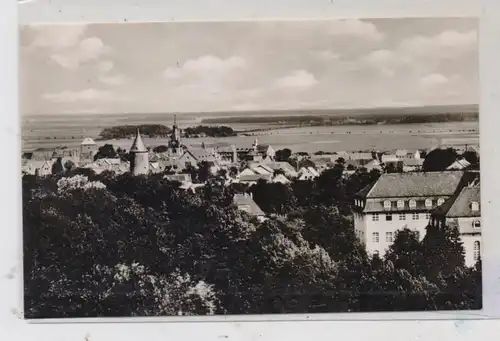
{"x":468,"y":244}
{"x":382,"y":226}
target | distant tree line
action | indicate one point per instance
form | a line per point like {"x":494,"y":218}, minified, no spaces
{"x":107,"y":245}
{"x":361,"y":119}
{"x":127,"y":131}
{"x":210,"y":131}
{"x":159,"y":130}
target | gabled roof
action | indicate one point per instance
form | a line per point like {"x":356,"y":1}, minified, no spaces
{"x":281,"y":179}
{"x":416,"y":184}
{"x":461,"y":205}
{"x":459,"y":164}
{"x":255,"y":177}
{"x":245,"y":200}
{"x":138,"y":145}
{"x":88,"y":142}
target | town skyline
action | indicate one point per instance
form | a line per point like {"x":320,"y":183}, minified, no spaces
{"x":250,"y":66}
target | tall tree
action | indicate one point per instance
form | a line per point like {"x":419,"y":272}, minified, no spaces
{"x":439,"y":159}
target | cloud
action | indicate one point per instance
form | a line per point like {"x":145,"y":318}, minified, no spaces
{"x":355,"y":28}
{"x":297,"y":79}
{"x":55,"y":38}
{"x":113,"y":80}
{"x":446,"y":44}
{"x":88,"y":49}
{"x":326,"y":55}
{"x":105,"y":66}
{"x":205,"y":65}
{"x":433,"y":80}
{"x":75,"y":96}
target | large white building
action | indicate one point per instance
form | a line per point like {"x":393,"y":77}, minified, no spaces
{"x":402,"y":200}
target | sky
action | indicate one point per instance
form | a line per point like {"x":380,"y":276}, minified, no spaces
{"x":247,"y":65}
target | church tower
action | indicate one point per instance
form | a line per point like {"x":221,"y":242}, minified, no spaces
{"x":175,"y":147}
{"x":139,"y":156}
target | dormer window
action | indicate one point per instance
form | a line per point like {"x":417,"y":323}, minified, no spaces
{"x":413,"y":203}
{"x":440,"y":201}
{"x":387,"y":204}
{"x":474,"y":206}
{"x":476,"y":224}
{"x":401,"y":204}
{"x":428,"y":203}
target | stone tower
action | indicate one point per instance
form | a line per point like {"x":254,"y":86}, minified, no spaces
{"x":174,"y":144}
{"x":139,"y":156}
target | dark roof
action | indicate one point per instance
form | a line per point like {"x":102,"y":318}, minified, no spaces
{"x":245,"y":200}
{"x":138,"y":145}
{"x":460,"y":205}
{"x":416,"y":184}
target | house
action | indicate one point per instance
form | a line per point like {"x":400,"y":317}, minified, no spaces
{"x":257,"y":168}
{"x":374,"y":164}
{"x":282,"y":166}
{"x":412,"y":165}
{"x":403,"y":154}
{"x":463,"y":211}
{"x":459,"y":165}
{"x":245,"y":202}
{"x":323,"y":163}
{"x":266,"y":151}
{"x":402,"y":200}
{"x":389,"y":158}
{"x":307,"y":173}
{"x":88,"y":148}
{"x":188,"y":186}
{"x":193,"y":157}
{"x":37,"y":167}
{"x":254,"y":178}
{"x":360,"y":158}
{"x":280,"y":178}
{"x":182,"y":178}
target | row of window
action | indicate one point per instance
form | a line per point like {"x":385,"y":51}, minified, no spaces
{"x":401,"y":216}
{"x":389,"y":237}
{"x":477,"y":251}
{"x":412,"y":203}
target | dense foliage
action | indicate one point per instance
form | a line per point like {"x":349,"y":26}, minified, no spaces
{"x":210,"y":131}
{"x":127,"y":131}
{"x":106,"y":245}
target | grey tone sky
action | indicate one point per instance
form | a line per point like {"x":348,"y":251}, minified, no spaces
{"x":251,"y":65}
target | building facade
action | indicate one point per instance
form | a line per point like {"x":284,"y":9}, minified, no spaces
{"x":401,"y":200}
{"x":463,"y":211}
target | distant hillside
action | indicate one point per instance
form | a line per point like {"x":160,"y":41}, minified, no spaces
{"x":356,"y":116}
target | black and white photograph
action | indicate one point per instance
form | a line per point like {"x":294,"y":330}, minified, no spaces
{"x":250,"y":167}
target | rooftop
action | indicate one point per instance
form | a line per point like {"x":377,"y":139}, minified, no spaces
{"x":461,"y":204}
{"x":244,"y":201}
{"x":138,"y":145}
{"x":88,"y":142}
{"x":414,"y":184}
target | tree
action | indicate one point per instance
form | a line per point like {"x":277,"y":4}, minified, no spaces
{"x":69,"y":165}
{"x":274,"y":198}
{"x":105,"y":152}
{"x":406,"y":252}
{"x":439,"y":160}
{"x":57,"y":166}
{"x":160,"y":149}
{"x":472,"y":157}
{"x":283,"y":154}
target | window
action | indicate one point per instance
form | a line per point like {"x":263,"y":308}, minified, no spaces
{"x":413,"y":203}
{"x":387,"y":204}
{"x":402,"y":216}
{"x":414,"y":216}
{"x":401,"y":204}
{"x":375,"y":217}
{"x":476,"y":224}
{"x":427,"y":216}
{"x":375,"y":237}
{"x":388,"y":217}
{"x":440,"y":201}
{"x":475,"y":206}
{"x":388,"y":237}
{"x":477,"y":250}
{"x":428,"y":203}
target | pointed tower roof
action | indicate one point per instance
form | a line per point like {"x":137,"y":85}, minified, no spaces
{"x":138,"y":145}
